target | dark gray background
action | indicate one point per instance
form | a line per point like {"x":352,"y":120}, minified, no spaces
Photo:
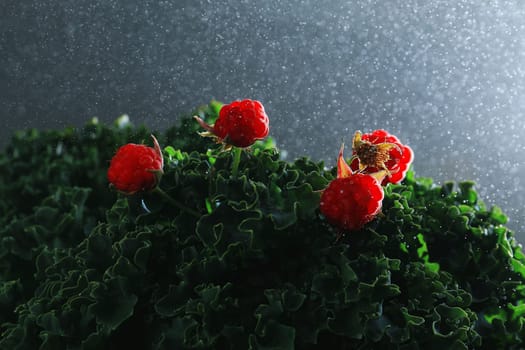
{"x":446,"y":76}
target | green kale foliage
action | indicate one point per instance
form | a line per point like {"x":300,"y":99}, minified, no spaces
{"x":84,"y":268}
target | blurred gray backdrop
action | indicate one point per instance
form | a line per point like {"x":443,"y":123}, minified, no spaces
{"x":447,"y":77}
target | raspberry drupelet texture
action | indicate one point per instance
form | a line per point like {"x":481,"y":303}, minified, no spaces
{"x":352,"y":199}
{"x":350,"y":202}
{"x":381,"y":150}
{"x":136,"y":168}
{"x":239,"y":124}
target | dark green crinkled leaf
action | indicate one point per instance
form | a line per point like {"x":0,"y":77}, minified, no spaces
{"x":114,"y":305}
{"x":347,"y":322}
{"x":274,"y":336}
{"x":83,"y":267}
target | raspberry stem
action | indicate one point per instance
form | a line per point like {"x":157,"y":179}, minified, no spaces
{"x":175,"y":203}
{"x":236,"y":160}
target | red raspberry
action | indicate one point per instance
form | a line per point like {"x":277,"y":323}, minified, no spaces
{"x":136,"y":168}
{"x":398,"y":160}
{"x":351,"y":202}
{"x":239,"y":124}
{"x":352,"y":199}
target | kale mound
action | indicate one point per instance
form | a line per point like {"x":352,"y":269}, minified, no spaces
{"x":82,"y":267}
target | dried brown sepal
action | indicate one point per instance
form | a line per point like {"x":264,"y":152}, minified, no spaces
{"x":226,"y":146}
{"x":370,"y":154}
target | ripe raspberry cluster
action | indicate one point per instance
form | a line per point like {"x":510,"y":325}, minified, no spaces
{"x":136,"y":168}
{"x":239,"y":124}
{"x":367,"y":150}
{"x":349,"y":202}
{"x":355,"y":197}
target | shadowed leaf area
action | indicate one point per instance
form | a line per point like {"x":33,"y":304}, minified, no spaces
{"x":82,"y":267}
